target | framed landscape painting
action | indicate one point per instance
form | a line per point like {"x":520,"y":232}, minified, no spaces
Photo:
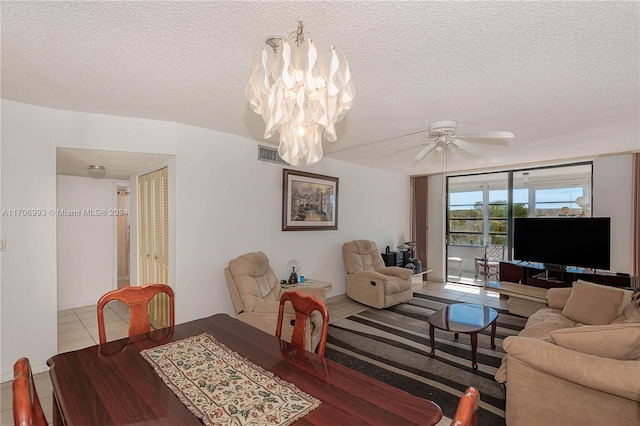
{"x":309,"y":202}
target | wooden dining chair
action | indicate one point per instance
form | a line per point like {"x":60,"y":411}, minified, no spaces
{"x":303,"y":305}
{"x":26,"y":405}
{"x":467,"y":412}
{"x":137,"y":298}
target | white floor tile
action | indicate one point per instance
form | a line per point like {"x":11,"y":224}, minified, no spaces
{"x":76,"y":344}
{"x":6,"y":418}
{"x":73,"y":335}
{"x":66,"y":317}
{"x":84,"y":309}
{"x":70,"y":326}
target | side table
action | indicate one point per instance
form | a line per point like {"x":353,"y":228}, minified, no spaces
{"x":310,"y":283}
{"x":419,"y":277}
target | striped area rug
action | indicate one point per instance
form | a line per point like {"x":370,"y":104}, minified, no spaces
{"x":392,"y":345}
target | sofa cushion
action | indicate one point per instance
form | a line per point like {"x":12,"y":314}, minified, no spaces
{"x":631,"y":312}
{"x":557,"y":297}
{"x":619,"y":341}
{"x":549,"y":314}
{"x":626,"y":299}
{"x":593,"y":304}
{"x":542,"y":330}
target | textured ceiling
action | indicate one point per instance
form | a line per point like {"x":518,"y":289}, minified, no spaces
{"x":562,"y":76}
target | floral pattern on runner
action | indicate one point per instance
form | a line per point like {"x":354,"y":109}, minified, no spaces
{"x":222,"y":388}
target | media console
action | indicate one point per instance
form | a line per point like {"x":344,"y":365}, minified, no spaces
{"x":534,"y":274}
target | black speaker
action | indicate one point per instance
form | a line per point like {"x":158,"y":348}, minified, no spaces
{"x":406,"y":255}
{"x":389,"y":258}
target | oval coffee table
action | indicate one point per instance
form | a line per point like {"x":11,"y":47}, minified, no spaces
{"x":464,"y":318}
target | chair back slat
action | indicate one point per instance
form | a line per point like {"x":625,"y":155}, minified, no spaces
{"x":303,"y":305}
{"x":137,"y":299}
{"x":494,"y":253}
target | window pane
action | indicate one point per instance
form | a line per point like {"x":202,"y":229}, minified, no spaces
{"x":478,"y":204}
{"x":466,"y":218}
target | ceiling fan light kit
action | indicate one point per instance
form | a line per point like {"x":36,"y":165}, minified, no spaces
{"x":300,"y":93}
{"x":444,"y":137}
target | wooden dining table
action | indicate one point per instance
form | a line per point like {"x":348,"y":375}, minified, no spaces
{"x":112,"y":384}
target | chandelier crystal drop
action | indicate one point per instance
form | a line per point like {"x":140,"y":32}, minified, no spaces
{"x":301,"y":93}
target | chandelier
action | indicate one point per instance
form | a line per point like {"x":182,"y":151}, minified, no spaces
{"x":300,"y":93}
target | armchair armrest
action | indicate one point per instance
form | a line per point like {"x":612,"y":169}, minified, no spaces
{"x":612,"y":376}
{"x":372,"y":275}
{"x":396,"y":271}
{"x":267,"y":306}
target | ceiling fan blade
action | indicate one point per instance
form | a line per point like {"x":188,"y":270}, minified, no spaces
{"x":469,"y":147}
{"x":419,"y":156}
{"x":411,"y":144}
{"x":485,"y":135}
{"x":403,"y":147}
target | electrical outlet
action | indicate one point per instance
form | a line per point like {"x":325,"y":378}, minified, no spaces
{"x":3,"y":244}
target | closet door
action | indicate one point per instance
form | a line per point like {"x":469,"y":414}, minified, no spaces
{"x":145,"y":228}
{"x":153,"y":202}
{"x":160,"y":262}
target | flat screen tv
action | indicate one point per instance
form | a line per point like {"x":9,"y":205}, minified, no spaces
{"x":563,"y":241}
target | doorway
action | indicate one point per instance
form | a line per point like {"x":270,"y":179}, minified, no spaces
{"x":123,"y":243}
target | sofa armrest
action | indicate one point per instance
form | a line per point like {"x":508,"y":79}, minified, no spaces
{"x":612,"y":376}
{"x":396,"y":271}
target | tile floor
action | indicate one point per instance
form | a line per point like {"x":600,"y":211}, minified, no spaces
{"x":78,"y":328}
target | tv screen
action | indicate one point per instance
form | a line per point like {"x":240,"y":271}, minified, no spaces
{"x":563,"y":241}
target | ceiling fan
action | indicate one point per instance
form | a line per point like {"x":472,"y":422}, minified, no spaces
{"x":444,"y":136}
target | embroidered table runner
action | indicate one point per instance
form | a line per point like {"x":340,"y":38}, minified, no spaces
{"x":222,"y":388}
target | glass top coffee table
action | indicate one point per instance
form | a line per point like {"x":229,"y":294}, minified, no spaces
{"x":464,"y":318}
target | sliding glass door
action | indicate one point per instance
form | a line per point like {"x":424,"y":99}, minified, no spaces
{"x":477,"y":215}
{"x":480,"y":209}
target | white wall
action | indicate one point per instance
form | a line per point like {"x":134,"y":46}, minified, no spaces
{"x":28,"y":278}
{"x":436,"y":226}
{"x":229,"y":204}
{"x":611,"y":198}
{"x":226,"y":203}
{"x":85,"y":243}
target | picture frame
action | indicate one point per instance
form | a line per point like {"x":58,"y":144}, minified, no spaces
{"x":309,"y":201}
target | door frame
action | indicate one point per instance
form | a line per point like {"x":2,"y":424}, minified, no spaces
{"x":118,"y":184}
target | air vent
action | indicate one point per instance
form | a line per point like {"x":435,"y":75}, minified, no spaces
{"x":269,"y":154}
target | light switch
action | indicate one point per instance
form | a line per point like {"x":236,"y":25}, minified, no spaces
{"x":3,"y":244}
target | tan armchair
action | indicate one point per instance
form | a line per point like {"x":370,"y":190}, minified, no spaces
{"x":255,"y":291}
{"x":369,"y":281}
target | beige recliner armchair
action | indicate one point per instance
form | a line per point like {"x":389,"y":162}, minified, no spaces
{"x":369,"y":281}
{"x":255,"y":292}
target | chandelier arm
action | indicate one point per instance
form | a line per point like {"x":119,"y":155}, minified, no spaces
{"x":300,"y":33}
